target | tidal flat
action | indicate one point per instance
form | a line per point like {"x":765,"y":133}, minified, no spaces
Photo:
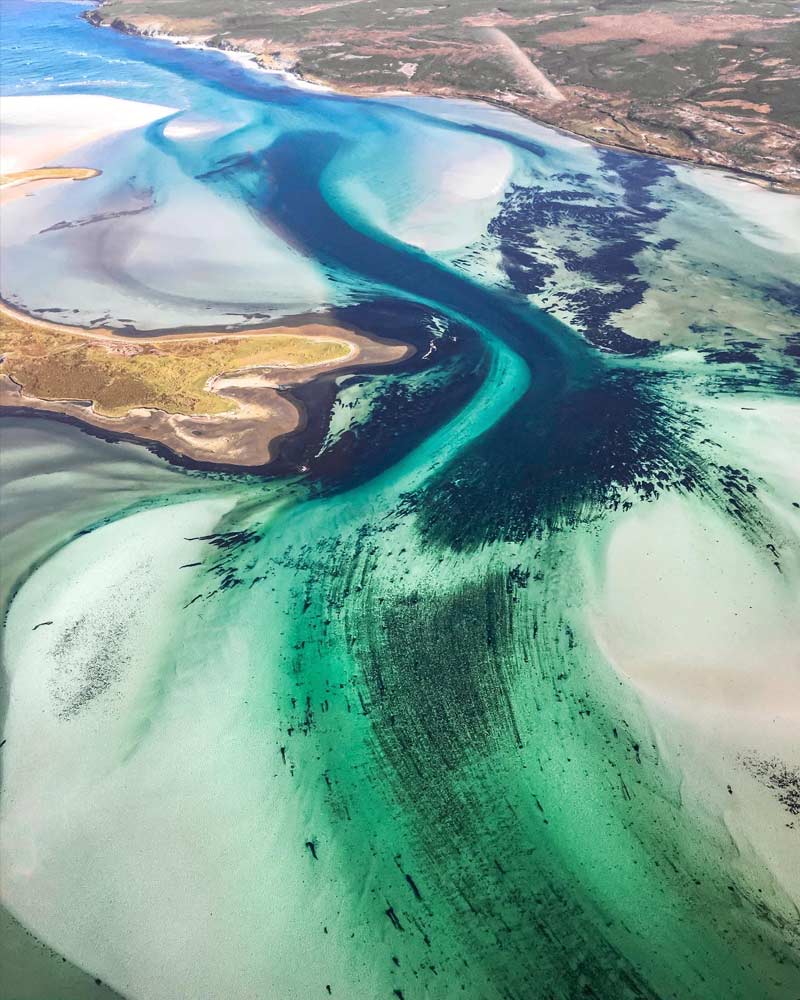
{"x":486,"y":683}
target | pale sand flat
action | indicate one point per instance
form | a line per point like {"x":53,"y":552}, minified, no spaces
{"x":772,"y":218}
{"x":40,"y":129}
{"x":706,"y":628}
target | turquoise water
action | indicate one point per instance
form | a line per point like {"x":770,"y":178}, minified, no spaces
{"x":489,"y":689}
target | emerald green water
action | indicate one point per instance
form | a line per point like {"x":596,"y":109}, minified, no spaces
{"x":489,"y":689}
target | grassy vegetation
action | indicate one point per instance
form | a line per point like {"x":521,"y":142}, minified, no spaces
{"x":638,"y":73}
{"x":118,"y":374}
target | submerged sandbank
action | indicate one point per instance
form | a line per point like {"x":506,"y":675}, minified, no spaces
{"x":705,"y":626}
{"x":41,"y":131}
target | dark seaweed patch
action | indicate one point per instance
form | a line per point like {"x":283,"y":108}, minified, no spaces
{"x":88,"y":667}
{"x":778,"y":776}
{"x":617,"y":229}
{"x":403,"y":413}
{"x":550,"y":466}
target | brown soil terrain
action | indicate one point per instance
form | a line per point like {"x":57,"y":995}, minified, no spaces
{"x":655,"y":32}
{"x":710,"y":81}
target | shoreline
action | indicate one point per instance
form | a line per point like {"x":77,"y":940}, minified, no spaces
{"x":244,"y":56}
{"x":12,"y":182}
{"x":244,"y":439}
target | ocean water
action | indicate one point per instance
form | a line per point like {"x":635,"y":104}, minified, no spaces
{"x":490,"y":688}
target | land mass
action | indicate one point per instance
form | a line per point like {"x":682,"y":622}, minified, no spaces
{"x":47,"y":174}
{"x":219,"y":397}
{"x":216,"y":397}
{"x":709,"y":81}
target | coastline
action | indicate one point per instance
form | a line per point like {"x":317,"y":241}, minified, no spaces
{"x":11,"y":184}
{"x":254,"y":408}
{"x":263,"y":410}
{"x":532,"y":108}
{"x":485,"y":682}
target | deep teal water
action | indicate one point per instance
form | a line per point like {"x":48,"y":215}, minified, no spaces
{"x":368,"y":739}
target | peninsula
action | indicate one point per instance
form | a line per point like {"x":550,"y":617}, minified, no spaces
{"x":216,"y":397}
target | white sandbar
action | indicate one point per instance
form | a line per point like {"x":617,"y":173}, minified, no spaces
{"x":38,"y":130}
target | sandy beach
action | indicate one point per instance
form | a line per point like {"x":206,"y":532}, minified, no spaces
{"x":772,"y":218}
{"x":43,"y":137}
{"x":256,"y":411}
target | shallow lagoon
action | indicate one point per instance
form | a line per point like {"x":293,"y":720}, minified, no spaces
{"x":498,"y":697}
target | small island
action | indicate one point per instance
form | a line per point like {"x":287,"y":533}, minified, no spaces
{"x":19,"y":177}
